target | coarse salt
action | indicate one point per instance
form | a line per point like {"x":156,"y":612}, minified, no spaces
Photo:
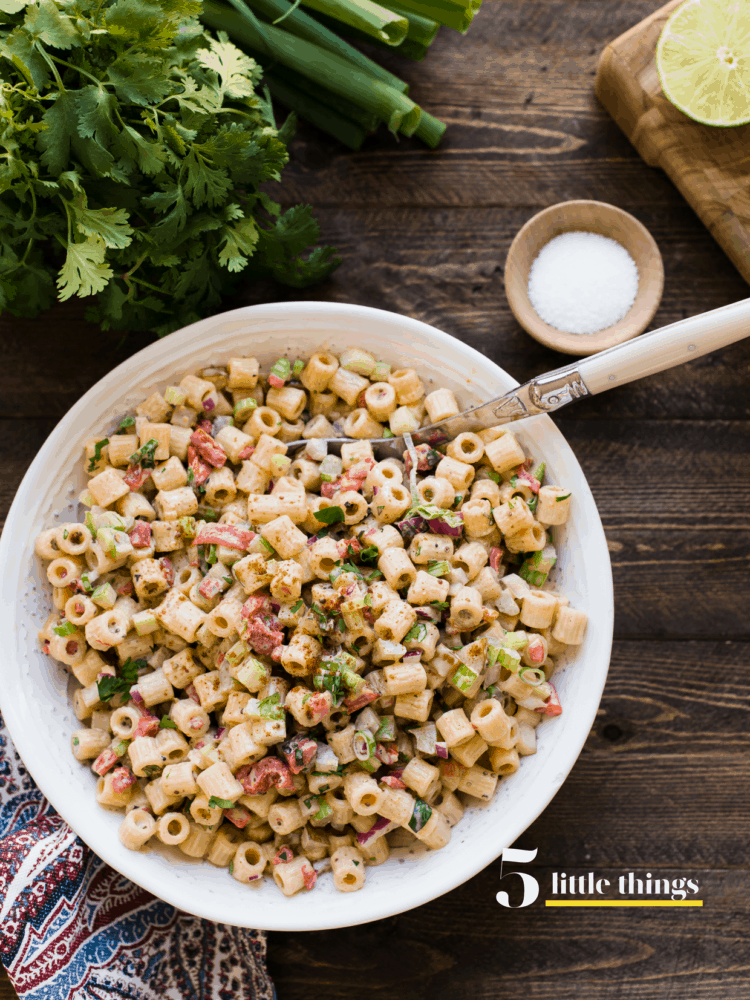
{"x":582,"y":282}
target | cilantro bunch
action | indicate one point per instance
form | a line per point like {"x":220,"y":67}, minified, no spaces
{"x":133,"y":145}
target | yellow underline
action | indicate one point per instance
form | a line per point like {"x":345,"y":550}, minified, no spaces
{"x":625,"y":902}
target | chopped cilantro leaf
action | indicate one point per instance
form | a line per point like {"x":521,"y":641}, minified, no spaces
{"x":330,"y":515}
{"x":216,"y":803}
{"x":97,"y":456}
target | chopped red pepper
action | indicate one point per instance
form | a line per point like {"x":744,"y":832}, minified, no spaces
{"x":309,"y":876}
{"x":257,"y":778}
{"x":359,"y":700}
{"x":148,"y":725}
{"x":255,"y":605}
{"x":106,"y":760}
{"x":209,"y":587}
{"x":201,"y":470}
{"x":122,"y":779}
{"x":263,"y":634}
{"x":136,"y":476}
{"x":166,"y":564}
{"x":283,"y":856}
{"x":140,"y":535}
{"x":552,"y":706}
{"x":523,"y":475}
{"x":392,"y":781}
{"x":238,"y":815}
{"x":228,"y":535}
{"x":208,"y":449}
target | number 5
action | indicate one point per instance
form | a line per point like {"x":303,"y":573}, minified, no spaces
{"x":530,"y":884}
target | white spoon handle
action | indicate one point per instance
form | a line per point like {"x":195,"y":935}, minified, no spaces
{"x":665,"y":348}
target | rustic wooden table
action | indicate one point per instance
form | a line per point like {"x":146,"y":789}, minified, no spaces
{"x":662,"y":784}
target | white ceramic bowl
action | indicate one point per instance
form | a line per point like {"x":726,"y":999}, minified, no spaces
{"x":33,"y":692}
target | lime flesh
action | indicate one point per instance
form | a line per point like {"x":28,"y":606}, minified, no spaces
{"x":703,"y":61}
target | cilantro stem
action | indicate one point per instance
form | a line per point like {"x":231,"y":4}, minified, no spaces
{"x":48,"y":59}
{"x":127,"y":275}
{"x":78,"y":69}
{"x":140,"y":281}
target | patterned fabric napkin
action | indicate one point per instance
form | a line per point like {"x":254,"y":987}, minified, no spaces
{"x":71,"y":927}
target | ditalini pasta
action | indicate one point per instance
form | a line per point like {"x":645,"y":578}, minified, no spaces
{"x":283,"y":660}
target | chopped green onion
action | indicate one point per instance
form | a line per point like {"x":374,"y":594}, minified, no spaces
{"x":243,"y":407}
{"x":104,"y":596}
{"x":211,"y":557}
{"x":387,"y":433}
{"x":252,"y":674}
{"x":438,"y":567}
{"x":509,"y":659}
{"x":280,"y":465}
{"x":87,"y":579}
{"x":267,"y":545}
{"x":382,"y":371}
{"x":532,"y":676}
{"x":280,"y":370}
{"x":536,"y":568}
{"x":237,"y":653}
{"x":494,"y":476}
{"x":516,"y":640}
{"x":297,"y":368}
{"x":330,"y":468}
{"x":364,"y":744}
{"x":539,"y":471}
{"x":174,"y":395}
{"x":386,"y":730}
{"x":187,"y":527}
{"x":324,"y":810}
{"x":354,"y":359}
{"x":144,"y":622}
{"x":270,"y":708}
{"x":463,"y":678}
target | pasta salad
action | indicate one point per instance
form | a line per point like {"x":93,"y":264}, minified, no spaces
{"x":292,"y":662}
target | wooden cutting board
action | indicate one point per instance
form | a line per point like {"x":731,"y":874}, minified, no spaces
{"x":710,"y":166}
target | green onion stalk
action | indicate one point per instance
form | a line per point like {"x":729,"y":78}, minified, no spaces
{"x":370,"y":18}
{"x":393,"y":107}
{"x":298,"y":23}
{"x":456,"y":14}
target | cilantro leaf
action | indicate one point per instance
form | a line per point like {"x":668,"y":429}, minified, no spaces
{"x":216,"y":803}
{"x":84,"y":271}
{"x":130,"y":169}
{"x":330,"y":515}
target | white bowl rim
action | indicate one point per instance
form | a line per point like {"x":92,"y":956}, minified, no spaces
{"x":127,"y":862}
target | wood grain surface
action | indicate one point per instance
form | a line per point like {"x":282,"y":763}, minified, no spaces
{"x":708,"y":165}
{"x":662,"y":784}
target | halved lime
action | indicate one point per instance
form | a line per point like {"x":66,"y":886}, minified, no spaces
{"x":703,"y":61}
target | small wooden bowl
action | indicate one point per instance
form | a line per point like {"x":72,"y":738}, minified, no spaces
{"x":593,"y":217}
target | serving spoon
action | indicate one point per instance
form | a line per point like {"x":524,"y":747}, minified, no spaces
{"x":647,"y":354}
